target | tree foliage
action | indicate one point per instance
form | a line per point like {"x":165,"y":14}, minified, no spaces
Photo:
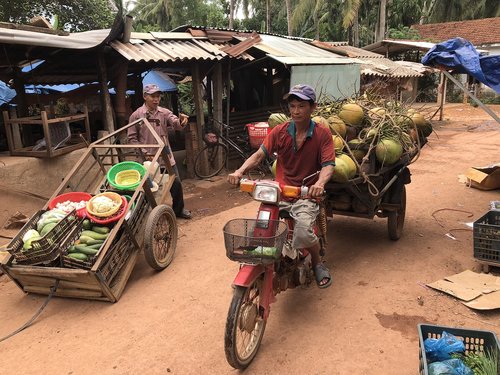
{"x":71,"y":15}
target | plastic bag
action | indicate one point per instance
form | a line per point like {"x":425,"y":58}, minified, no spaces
{"x":449,"y":367}
{"x":442,"y":348}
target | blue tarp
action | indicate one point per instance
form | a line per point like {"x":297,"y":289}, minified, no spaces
{"x":6,"y":93}
{"x":461,"y":56}
{"x":164,"y":82}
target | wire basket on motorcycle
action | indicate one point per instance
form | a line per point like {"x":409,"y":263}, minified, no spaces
{"x":254,"y":241}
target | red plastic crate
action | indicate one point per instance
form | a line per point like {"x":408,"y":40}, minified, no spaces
{"x":257,"y":133}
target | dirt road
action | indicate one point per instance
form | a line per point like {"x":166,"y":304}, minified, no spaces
{"x":366,"y":323}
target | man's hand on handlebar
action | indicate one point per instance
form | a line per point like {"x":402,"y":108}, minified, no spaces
{"x":234,"y":178}
{"x":317,"y":190}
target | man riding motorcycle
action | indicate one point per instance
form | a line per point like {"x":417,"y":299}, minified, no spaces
{"x":303,"y":148}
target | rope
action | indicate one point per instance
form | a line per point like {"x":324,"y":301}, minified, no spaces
{"x":30,"y":322}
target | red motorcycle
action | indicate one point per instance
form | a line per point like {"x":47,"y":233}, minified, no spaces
{"x":268,"y":265}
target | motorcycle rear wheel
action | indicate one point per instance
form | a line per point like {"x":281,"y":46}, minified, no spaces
{"x":244,"y":326}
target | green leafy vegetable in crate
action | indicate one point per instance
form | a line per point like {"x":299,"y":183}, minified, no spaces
{"x":481,"y":363}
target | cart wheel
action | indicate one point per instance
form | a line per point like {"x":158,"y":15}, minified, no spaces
{"x":396,"y":219}
{"x":160,"y":237}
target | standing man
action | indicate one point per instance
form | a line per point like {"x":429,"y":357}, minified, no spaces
{"x":161,"y":119}
{"x":303,"y":148}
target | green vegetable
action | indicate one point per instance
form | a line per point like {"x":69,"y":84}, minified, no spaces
{"x":30,"y":233}
{"x":27,"y":244}
{"x":85,"y":239}
{"x":44,"y":221}
{"x":95,"y":246}
{"x":85,"y":250}
{"x":72,"y":249}
{"x":102,"y":230}
{"x":47,"y":228}
{"x":87,"y":224}
{"x":78,"y":256}
{"x":262,"y":251}
{"x":91,"y":241}
{"x":482,"y":363}
{"x":94,"y":235}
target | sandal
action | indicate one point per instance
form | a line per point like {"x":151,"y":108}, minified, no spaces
{"x":321,"y":273}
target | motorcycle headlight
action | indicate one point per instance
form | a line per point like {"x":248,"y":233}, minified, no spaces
{"x":266,"y":194}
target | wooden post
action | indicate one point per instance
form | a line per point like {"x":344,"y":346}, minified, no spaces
{"x":22,"y":135}
{"x":441,"y":98}
{"x":198,"y":103}
{"x":121,"y":88}
{"x":107,"y":109}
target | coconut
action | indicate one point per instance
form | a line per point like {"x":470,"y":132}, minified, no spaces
{"x":340,"y":171}
{"x":276,"y":119}
{"x":355,"y":145}
{"x":352,"y":114}
{"x":338,"y":143}
{"x":337,"y":126}
{"x":321,"y":121}
{"x":388,"y":151}
{"x":418,"y":119}
{"x":351,"y":165}
{"x":377,"y":112}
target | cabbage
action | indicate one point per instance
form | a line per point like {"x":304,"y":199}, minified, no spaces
{"x":30,"y":234}
{"x":102,"y":204}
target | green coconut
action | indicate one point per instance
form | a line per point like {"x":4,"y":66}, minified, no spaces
{"x":337,"y":126}
{"x":388,"y":151}
{"x":340,"y":171}
{"x":352,"y":114}
{"x":321,"y":121}
{"x":277,"y":119}
{"x":351,"y":165}
{"x":418,"y":119}
{"x":338,"y":143}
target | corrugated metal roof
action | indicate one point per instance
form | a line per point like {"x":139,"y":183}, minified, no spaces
{"x":83,"y":40}
{"x":165,"y":50}
{"x":383,"y":67}
{"x":312,"y":60}
{"x":297,"y":52}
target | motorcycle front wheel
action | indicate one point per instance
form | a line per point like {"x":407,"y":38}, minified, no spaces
{"x":244,"y":326}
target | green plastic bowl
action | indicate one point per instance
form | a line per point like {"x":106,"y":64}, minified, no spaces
{"x":123,"y":166}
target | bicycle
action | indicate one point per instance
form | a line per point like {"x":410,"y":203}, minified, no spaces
{"x":212,"y":158}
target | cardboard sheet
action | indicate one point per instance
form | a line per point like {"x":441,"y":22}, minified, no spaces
{"x":479,"y":291}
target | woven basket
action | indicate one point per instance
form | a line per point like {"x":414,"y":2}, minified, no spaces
{"x":116,"y":198}
{"x":127,"y":178}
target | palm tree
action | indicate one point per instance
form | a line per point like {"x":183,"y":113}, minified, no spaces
{"x":289,"y":11}
{"x":307,"y":11}
{"x":156,"y":12}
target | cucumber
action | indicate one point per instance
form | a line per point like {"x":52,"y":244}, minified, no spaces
{"x":94,"y":235}
{"x":87,"y":224}
{"x":72,"y":249}
{"x":85,"y":239}
{"x":95,"y":246}
{"x":47,"y":228}
{"x":85,"y":250}
{"x":94,"y":242}
{"x":78,"y":256}
{"x":101,"y":230}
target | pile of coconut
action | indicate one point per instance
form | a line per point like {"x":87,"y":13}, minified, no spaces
{"x":368,"y":134}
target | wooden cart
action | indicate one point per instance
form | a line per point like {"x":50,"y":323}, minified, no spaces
{"x":146,"y":225}
{"x":379,"y":193}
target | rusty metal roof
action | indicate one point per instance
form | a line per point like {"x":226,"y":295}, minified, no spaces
{"x":176,"y":48}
